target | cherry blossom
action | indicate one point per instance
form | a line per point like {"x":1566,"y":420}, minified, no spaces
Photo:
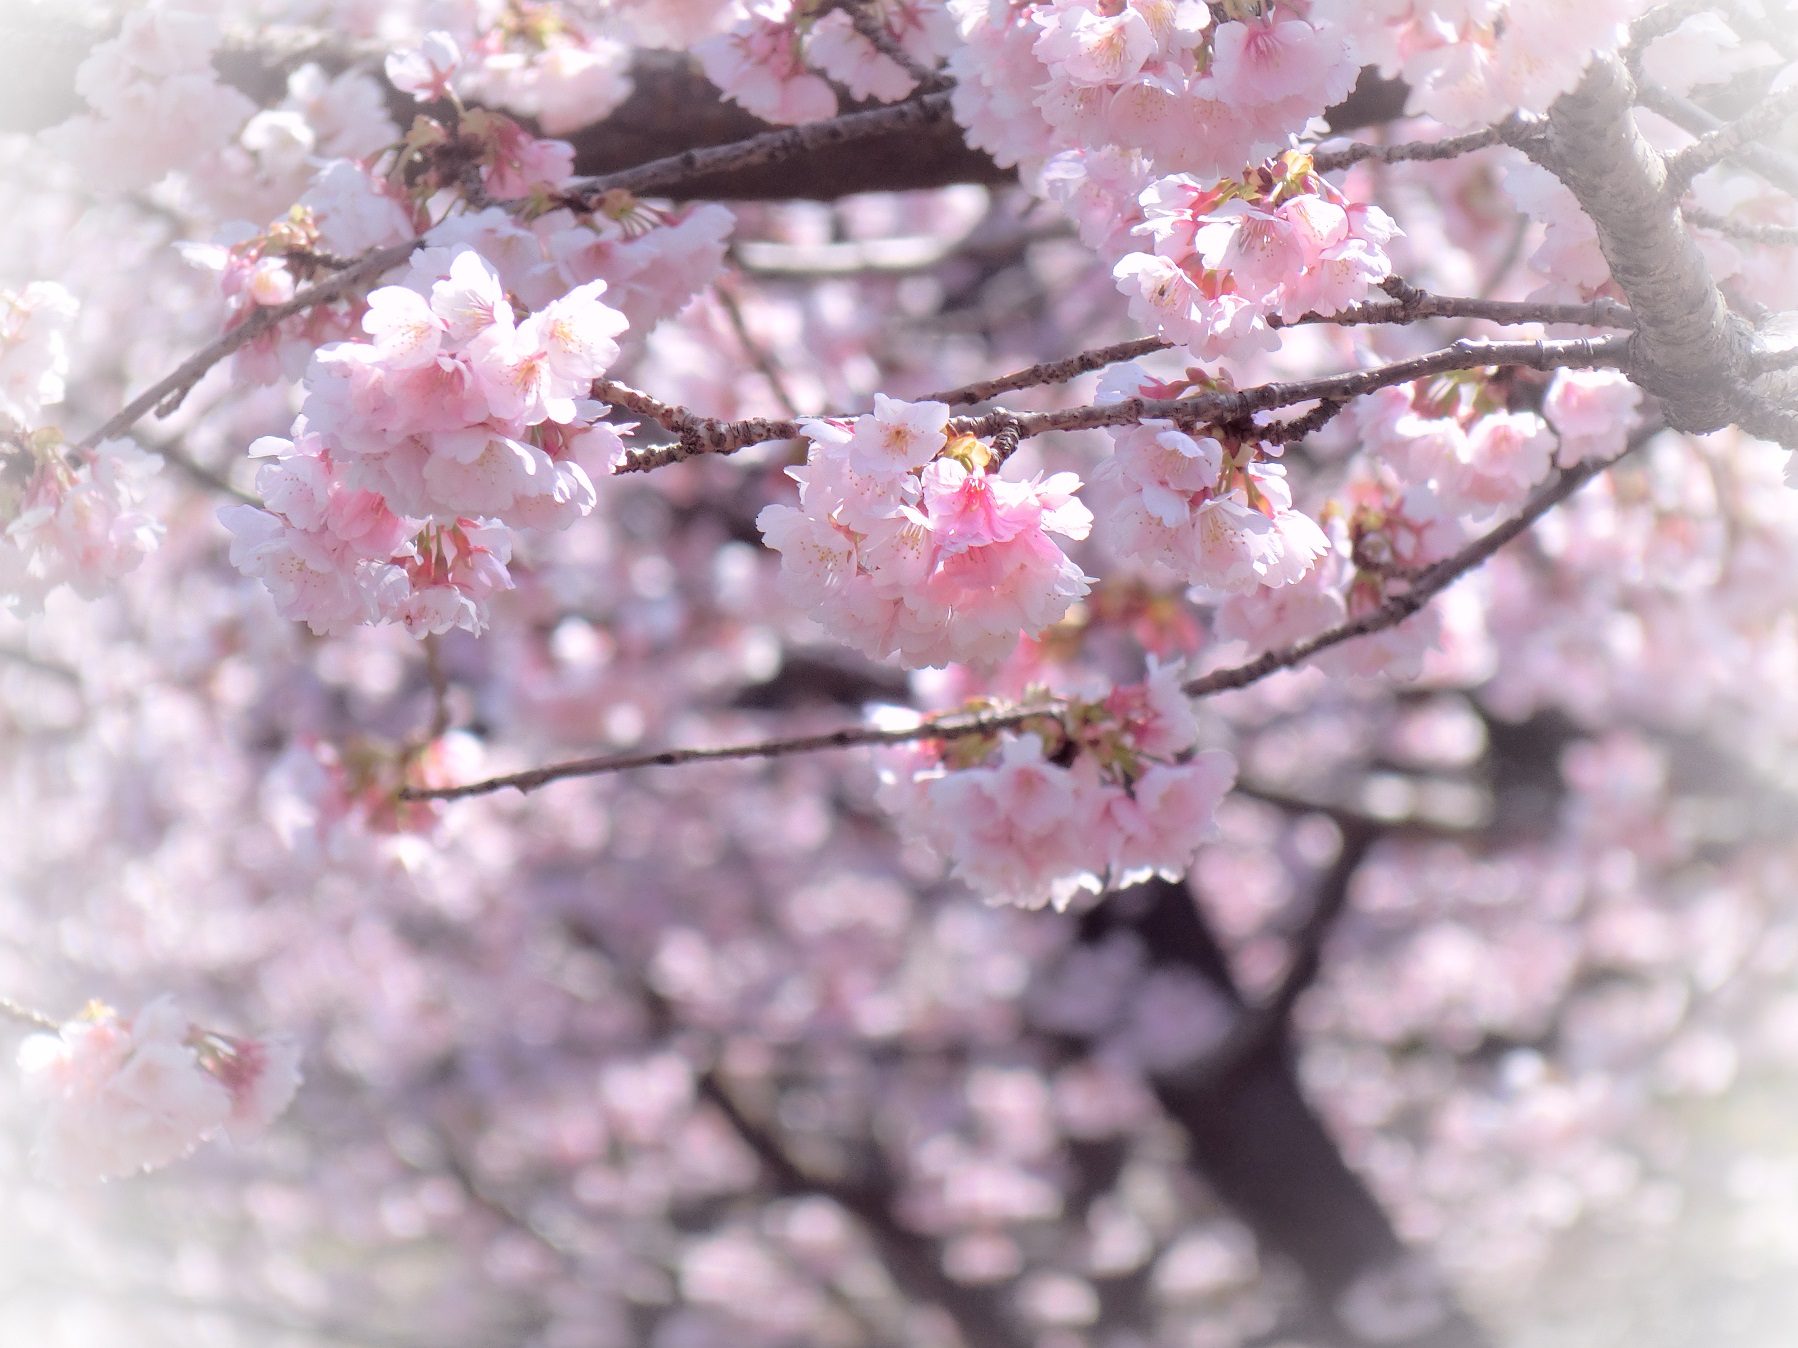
{"x":123,"y":1095}
{"x":1328,"y":873}
{"x":1121,"y":797}
{"x":925,"y":562}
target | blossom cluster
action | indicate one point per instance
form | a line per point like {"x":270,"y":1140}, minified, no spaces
{"x":66,"y":518}
{"x":1279,"y":242}
{"x":76,"y":522}
{"x":908,"y":545}
{"x":1107,"y":794}
{"x":416,"y":452}
{"x":779,"y":58}
{"x":34,"y":350}
{"x":1213,"y":507}
{"x":126,"y":1094}
{"x":155,"y":103}
{"x":341,"y":803}
{"x":1460,"y":448}
{"x":1469,"y":62}
{"x":1169,"y":79}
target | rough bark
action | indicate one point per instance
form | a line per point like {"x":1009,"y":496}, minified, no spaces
{"x":1688,"y":348}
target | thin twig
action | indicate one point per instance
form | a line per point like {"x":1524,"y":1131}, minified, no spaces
{"x":1713,"y":148}
{"x":1785,"y":236}
{"x":437,"y":678}
{"x":26,"y":1016}
{"x":178,"y":458}
{"x":12,"y":655}
{"x":1234,"y":405}
{"x":1451,"y":147}
{"x":1049,"y":372}
{"x":758,"y":355}
{"x":165,"y":395}
{"x":1297,"y":428}
{"x":1408,"y":304}
{"x":867,"y":22}
{"x":960,"y":725}
{"x":954,"y":726}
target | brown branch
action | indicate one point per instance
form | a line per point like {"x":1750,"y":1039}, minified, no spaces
{"x":1297,"y":428}
{"x":770,"y":147}
{"x":1049,"y":372}
{"x":1213,"y":408}
{"x":166,"y":394}
{"x":1409,"y":304}
{"x":691,"y":169}
{"x":1450,"y":147}
{"x":702,"y":435}
{"x":959,"y":725}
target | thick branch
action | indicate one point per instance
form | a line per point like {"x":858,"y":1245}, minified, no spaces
{"x":1687,"y":348}
{"x":703,"y":171}
{"x":166,"y":393}
{"x":913,"y":1261}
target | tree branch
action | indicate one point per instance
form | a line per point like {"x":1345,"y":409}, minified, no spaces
{"x":1783,"y":236}
{"x":692,"y":170}
{"x":959,"y":725}
{"x":1776,"y":167}
{"x":1450,"y":147}
{"x":1712,"y":149}
{"x":24,"y":1015}
{"x":1257,"y":1028}
{"x":704,"y":435}
{"x":1687,"y":348}
{"x":166,"y":394}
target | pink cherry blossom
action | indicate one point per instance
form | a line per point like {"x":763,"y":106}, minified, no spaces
{"x":425,"y":71}
{"x":124,"y":1095}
